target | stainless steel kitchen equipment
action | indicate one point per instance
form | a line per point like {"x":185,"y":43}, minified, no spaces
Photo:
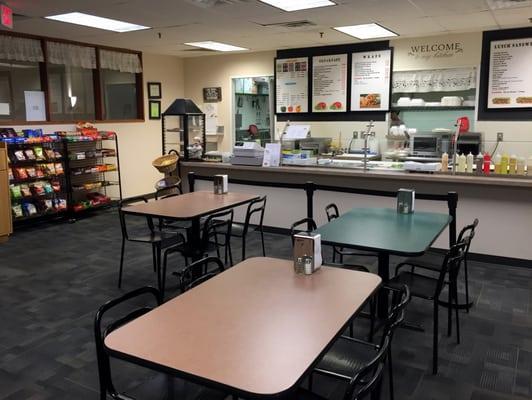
{"x":430,"y":145}
{"x":247,"y":153}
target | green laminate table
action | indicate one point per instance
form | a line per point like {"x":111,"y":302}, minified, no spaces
{"x":385,"y":232}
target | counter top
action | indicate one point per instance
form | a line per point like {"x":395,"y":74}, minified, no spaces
{"x":385,"y":175}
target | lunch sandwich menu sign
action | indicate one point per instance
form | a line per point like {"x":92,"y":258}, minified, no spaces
{"x":329,"y":83}
{"x":510,"y":80}
{"x":370,"y":80}
{"x":291,"y":85}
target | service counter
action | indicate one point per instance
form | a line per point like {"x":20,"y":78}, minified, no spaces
{"x":502,"y":204}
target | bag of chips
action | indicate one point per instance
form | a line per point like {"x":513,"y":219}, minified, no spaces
{"x":48,"y":205}
{"x":48,"y":188}
{"x":38,"y":189}
{"x":11,"y":174}
{"x":25,"y":190}
{"x":39,"y":172}
{"x":30,"y":155}
{"x":15,"y":191}
{"x":61,"y":204}
{"x":21,"y":173}
{"x":31,"y":172}
{"x":56,"y":185}
{"x":39,"y":153}
{"x":19,"y":155}
{"x":59,"y":169}
{"x":29,"y":209}
{"x":17,"y":211}
{"x":50,"y":154}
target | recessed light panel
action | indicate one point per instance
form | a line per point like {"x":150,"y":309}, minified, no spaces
{"x":294,"y":5}
{"x":366,"y":31}
{"x":97,"y":22}
{"x":217,"y":46}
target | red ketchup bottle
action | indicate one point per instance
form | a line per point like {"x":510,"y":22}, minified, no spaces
{"x":487,"y":163}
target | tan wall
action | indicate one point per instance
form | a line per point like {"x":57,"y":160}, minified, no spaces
{"x":140,"y":142}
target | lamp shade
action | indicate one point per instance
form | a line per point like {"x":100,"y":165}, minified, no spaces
{"x":182,"y":107}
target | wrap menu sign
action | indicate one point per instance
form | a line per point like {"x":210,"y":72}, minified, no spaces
{"x":370,"y":80}
{"x":329,"y":83}
{"x":291,"y":89}
{"x":510,"y":81}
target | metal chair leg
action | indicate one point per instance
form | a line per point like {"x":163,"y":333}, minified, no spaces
{"x":243,"y":247}
{"x":230,"y":253}
{"x":450,"y":308}
{"x":334,"y":255}
{"x":390,"y":371}
{"x":121,"y":263}
{"x":466,"y":285}
{"x":158,"y":254}
{"x":154,"y":258}
{"x":456,"y":314}
{"x":435,"y":339}
{"x":372,"y":309}
{"x":262,"y":240}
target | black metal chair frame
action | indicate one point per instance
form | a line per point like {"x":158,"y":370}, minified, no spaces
{"x":257,"y":206}
{"x":103,"y":358}
{"x":191,"y":277}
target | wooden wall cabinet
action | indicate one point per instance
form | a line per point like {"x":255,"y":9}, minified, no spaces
{"x":6,"y":225}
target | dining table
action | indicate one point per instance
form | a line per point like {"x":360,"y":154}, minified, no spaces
{"x":254,"y":331}
{"x":386,"y":232}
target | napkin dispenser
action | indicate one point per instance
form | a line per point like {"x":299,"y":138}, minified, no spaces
{"x":307,"y":253}
{"x":405,"y":201}
{"x":221,"y":184}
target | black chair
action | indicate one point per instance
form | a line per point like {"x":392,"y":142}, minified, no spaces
{"x":349,"y":355}
{"x":199,"y":272}
{"x":429,"y":288}
{"x":332,"y":213}
{"x":239,"y":230}
{"x":166,"y":224}
{"x":107,"y":387}
{"x":430,"y":260}
{"x":365,"y":382}
{"x":297,"y":227}
{"x":157,"y":239}
{"x":215,"y":225}
{"x":171,"y":190}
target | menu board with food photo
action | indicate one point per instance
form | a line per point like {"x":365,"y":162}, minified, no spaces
{"x":291,"y":87}
{"x":370,"y":81}
{"x":510,"y":80}
{"x":329,"y":83}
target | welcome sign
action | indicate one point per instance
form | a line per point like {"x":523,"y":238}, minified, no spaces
{"x":436,"y":50}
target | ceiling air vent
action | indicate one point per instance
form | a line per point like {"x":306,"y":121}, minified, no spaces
{"x":504,"y":4}
{"x":215,"y":3}
{"x":303,"y":24}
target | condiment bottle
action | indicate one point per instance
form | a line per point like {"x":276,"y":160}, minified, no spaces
{"x":461,"y":163}
{"x":512,"y":165}
{"x":479,"y":163}
{"x":529,"y":166}
{"x":497,"y":163}
{"x":445,"y":163}
{"x":487,"y":164}
{"x":469,"y":163}
{"x":521,"y":161}
{"x":504,"y":164}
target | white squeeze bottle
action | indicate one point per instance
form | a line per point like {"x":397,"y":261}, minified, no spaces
{"x":497,"y":163}
{"x":470,"y":159}
{"x":521,"y":161}
{"x":461,"y":163}
{"x":445,"y":163}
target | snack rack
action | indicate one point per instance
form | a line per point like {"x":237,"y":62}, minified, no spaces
{"x":37,"y":180}
{"x":92,"y":171}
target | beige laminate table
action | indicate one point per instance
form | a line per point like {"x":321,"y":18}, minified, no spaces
{"x":254,"y":330}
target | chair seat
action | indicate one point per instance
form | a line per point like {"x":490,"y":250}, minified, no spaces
{"x":419,"y":285}
{"x":166,"y":239}
{"x":429,"y":260}
{"x":347,"y":357}
{"x":348,"y":252}
{"x":171,"y":224}
{"x":304,"y":394}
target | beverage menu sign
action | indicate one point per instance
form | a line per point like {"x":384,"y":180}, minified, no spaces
{"x":510,"y":81}
{"x":291,"y":85}
{"x":329,"y":83}
{"x":370,"y":80}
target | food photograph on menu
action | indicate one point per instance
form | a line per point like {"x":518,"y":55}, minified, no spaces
{"x":510,"y":82}
{"x":370,"y":80}
{"x":329,"y":83}
{"x":291,"y":85}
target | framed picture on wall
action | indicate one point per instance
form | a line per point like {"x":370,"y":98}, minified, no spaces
{"x":212,"y":94}
{"x":154,"y":90}
{"x":155,"y":109}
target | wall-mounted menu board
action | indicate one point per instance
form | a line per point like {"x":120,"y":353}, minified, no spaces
{"x":329,"y":83}
{"x":510,"y":81}
{"x":370,"y":80}
{"x":291,"y":85}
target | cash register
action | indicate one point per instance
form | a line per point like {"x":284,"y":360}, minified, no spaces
{"x":247,"y":153}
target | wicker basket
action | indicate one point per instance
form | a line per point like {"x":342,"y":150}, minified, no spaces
{"x":166,"y":163}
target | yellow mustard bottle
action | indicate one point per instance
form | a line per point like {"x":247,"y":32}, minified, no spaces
{"x":513,"y":165}
{"x":504,"y":164}
{"x":497,"y":164}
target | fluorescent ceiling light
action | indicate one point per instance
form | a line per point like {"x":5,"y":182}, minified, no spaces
{"x":294,"y":5}
{"x":209,"y":44}
{"x":97,"y":22}
{"x":366,"y":31}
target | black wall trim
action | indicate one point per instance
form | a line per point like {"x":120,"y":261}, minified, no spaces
{"x":485,"y":114}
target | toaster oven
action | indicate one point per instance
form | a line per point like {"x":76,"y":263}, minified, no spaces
{"x":430,"y":144}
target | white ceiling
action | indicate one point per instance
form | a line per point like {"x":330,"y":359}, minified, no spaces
{"x":239,"y":22}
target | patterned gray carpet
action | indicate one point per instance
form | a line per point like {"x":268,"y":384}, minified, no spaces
{"x":54,"y":277}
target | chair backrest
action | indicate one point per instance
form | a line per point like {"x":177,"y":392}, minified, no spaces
{"x":451,"y":263}
{"x":400,"y":299}
{"x":257,"y":206}
{"x":308,"y":223}
{"x":218,"y":224}
{"x":168,"y":191}
{"x":368,"y":379}
{"x":199,"y":272}
{"x":468,"y":231}
{"x":122,"y":216}
{"x":100,"y":332}
{"x":332,"y":212}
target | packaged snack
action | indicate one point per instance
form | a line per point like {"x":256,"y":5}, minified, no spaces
{"x":59,"y":169}
{"x":39,"y":172}
{"x":11,"y":174}
{"x":57,"y":154}
{"x":31,"y":172}
{"x":48,"y":205}
{"x":61,"y":204}
{"x":39,"y":153}
{"x":29,"y":209}
{"x":30,"y":155}
{"x":15,"y":191}
{"x":49,"y":169}
{"x":19,"y":155}
{"x":38,"y":189}
{"x":21,"y":173}
{"x":48,"y":187}
{"x":50,"y":154}
{"x":56,"y":186}
{"x":17,"y":211}
{"x":25,"y":190}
